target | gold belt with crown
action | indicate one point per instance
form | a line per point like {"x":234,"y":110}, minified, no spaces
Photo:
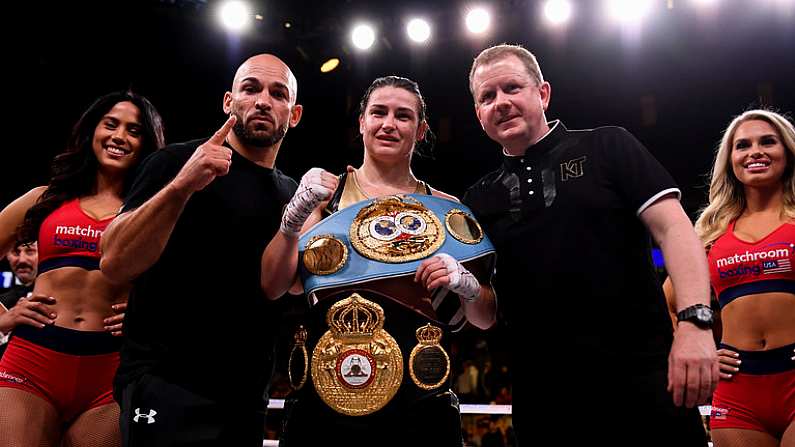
{"x":357,"y":366}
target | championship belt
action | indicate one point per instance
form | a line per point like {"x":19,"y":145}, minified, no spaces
{"x":429,"y":364}
{"x":386,"y":239}
{"x":377,"y":245}
{"x":357,"y":367}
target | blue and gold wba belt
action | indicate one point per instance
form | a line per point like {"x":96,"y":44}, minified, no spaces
{"x":356,"y":366}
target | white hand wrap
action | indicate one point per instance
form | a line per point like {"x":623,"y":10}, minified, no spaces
{"x":462,"y":281}
{"x":309,"y":194}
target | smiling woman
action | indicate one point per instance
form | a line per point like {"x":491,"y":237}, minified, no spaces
{"x":758,"y":157}
{"x":66,"y":327}
{"x":400,"y":255}
{"x":390,"y":126}
{"x":117,"y":137}
{"x":748,"y":229}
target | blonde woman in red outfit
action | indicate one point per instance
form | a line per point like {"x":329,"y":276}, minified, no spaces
{"x":748,"y":229}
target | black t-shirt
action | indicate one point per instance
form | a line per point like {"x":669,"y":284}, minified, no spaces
{"x":198,"y":316}
{"x":574,"y":277}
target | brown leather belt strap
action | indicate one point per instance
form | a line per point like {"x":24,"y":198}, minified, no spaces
{"x":402,"y":290}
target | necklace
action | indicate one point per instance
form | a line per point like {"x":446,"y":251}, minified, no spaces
{"x":418,"y":189}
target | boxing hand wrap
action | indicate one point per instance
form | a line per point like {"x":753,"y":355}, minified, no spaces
{"x":462,"y":281}
{"x":309,"y":194}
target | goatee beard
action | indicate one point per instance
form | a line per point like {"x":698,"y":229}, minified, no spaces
{"x":250,"y":139}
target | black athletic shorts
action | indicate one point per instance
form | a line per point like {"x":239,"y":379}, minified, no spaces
{"x":156,"y":413}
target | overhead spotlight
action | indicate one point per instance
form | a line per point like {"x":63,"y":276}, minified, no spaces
{"x":704,"y":2}
{"x":329,"y":65}
{"x":557,"y":11}
{"x":627,"y":11}
{"x":478,"y":20}
{"x":363,"y":36}
{"x":785,"y":8}
{"x":418,"y":30}
{"x":235,"y":15}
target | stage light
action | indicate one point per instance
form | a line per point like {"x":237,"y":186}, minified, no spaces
{"x":363,"y":36}
{"x":235,"y":16}
{"x":704,"y":3}
{"x":329,"y":65}
{"x":557,"y":11}
{"x":783,"y":5}
{"x":627,"y":11}
{"x":418,"y":30}
{"x":478,"y":20}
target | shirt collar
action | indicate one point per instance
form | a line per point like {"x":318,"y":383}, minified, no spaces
{"x":550,"y":139}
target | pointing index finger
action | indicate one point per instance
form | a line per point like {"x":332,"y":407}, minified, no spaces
{"x":219,"y":136}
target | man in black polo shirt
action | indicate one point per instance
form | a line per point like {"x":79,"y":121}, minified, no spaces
{"x":570,"y":213}
{"x":198,"y":348}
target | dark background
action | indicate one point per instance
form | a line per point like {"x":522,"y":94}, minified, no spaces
{"x":675,"y":82}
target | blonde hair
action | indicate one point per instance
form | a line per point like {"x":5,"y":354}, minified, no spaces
{"x":726,"y":193}
{"x":502,"y":51}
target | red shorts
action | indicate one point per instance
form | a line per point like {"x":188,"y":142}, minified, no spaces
{"x":73,"y":370}
{"x":761,"y":396}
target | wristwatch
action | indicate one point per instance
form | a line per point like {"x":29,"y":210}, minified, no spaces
{"x":699,"y":314}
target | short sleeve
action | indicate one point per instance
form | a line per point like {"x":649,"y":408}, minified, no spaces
{"x":639,"y":178}
{"x":155,"y":172}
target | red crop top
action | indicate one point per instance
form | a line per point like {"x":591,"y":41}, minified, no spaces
{"x":69,"y":237}
{"x":738,"y":268}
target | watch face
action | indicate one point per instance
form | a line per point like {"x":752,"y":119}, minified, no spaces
{"x":704,"y":314}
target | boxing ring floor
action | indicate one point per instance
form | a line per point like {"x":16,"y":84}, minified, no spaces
{"x":278,"y":404}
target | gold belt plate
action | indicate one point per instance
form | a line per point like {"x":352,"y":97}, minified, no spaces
{"x":429,"y":364}
{"x":357,"y":367}
{"x":396,"y":229}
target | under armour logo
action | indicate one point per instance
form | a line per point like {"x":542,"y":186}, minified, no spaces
{"x":572,"y":168}
{"x":150,"y":417}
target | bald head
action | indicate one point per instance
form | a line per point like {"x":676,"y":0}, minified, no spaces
{"x":268,"y":64}
{"x":263,"y":98}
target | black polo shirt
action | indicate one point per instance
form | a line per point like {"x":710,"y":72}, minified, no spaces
{"x":574,"y":269}
{"x":198,"y":316}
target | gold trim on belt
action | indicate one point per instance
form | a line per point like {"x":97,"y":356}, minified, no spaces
{"x":357,"y":367}
{"x":429,"y":364}
{"x":299,"y":347}
{"x":396,"y":229}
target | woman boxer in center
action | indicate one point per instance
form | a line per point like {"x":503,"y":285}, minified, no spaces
{"x":420,"y":408}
